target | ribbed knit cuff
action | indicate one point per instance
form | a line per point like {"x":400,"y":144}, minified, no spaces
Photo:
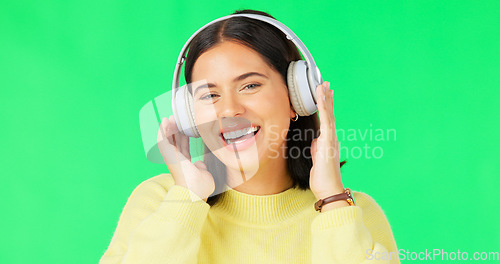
{"x":337,"y":217}
{"x":185,"y":207}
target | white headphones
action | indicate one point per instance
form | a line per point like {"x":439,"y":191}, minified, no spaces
{"x":302,"y":79}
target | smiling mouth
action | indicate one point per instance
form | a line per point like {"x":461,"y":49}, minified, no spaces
{"x":238,"y":136}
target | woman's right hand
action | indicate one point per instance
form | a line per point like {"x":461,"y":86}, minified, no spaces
{"x":174,"y":147}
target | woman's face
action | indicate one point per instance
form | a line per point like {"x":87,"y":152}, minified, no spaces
{"x":241,"y":106}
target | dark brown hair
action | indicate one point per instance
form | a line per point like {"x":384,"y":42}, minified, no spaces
{"x":278,"y":52}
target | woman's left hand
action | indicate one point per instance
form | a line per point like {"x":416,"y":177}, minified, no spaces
{"x":325,"y":173}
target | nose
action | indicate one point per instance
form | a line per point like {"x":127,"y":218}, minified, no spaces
{"x":230,"y":106}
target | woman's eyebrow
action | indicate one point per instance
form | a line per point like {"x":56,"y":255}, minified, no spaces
{"x":248,"y":74}
{"x":237,"y":79}
{"x":206,"y":85}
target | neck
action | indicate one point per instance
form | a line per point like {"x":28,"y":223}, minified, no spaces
{"x":258,"y":210}
{"x":271,"y":178}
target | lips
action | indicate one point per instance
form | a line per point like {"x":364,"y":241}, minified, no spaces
{"x":237,"y":133}
{"x":237,"y":136}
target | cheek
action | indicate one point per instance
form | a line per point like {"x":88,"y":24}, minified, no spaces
{"x":280,"y":118}
{"x":275,"y":101}
{"x":204,"y":113}
{"x":278,"y":110}
{"x":206,"y":122}
{"x":281,"y":98}
{"x":277,"y":124}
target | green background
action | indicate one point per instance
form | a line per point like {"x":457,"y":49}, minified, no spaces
{"x":74,"y":75}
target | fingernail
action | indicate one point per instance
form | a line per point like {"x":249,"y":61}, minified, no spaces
{"x":323,"y":98}
{"x":324,"y":89}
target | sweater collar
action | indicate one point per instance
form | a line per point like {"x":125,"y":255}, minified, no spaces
{"x":264,"y":209}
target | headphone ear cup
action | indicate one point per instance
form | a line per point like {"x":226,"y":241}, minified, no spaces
{"x":182,"y":106}
{"x":299,"y":90}
{"x":190,"y":109}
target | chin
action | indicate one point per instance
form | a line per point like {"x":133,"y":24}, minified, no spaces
{"x":244,"y":162}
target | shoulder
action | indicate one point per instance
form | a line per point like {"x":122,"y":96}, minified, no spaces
{"x":364,"y":200}
{"x":143,"y":201}
{"x":375,"y":220}
{"x":373,"y":215}
{"x":152,"y":189}
{"x":164,"y":180}
{"x":369,"y":206}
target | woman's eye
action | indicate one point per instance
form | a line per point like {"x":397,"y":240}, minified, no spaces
{"x":251,"y":86}
{"x":208,"y":97}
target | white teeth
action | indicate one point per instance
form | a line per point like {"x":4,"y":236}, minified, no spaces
{"x":239,"y":133}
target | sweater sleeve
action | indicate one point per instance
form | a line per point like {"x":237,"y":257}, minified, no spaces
{"x":353,"y":234}
{"x":160,"y":223}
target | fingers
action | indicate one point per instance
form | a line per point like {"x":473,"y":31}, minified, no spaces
{"x":167,"y":149}
{"x":166,"y":131}
{"x":161,"y":130}
{"x":180,"y":140}
{"x":313,"y":148}
{"x":171,"y":122}
{"x":329,"y":104}
{"x":326,"y":114}
{"x":173,"y":145}
{"x":183,"y":145}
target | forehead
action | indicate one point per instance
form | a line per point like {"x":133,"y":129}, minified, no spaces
{"x":228,"y":59}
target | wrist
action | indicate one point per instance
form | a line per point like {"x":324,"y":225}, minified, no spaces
{"x":330,"y":192}
{"x":334,"y":199}
{"x":334,"y":205}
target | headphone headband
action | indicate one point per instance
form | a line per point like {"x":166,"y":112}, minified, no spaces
{"x":313,"y":71}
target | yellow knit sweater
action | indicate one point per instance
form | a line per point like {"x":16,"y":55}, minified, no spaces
{"x":161,"y":224}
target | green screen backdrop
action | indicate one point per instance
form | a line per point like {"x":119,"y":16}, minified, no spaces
{"x":416,"y":105}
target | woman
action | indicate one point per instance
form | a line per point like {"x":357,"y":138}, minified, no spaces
{"x":252,"y":199}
